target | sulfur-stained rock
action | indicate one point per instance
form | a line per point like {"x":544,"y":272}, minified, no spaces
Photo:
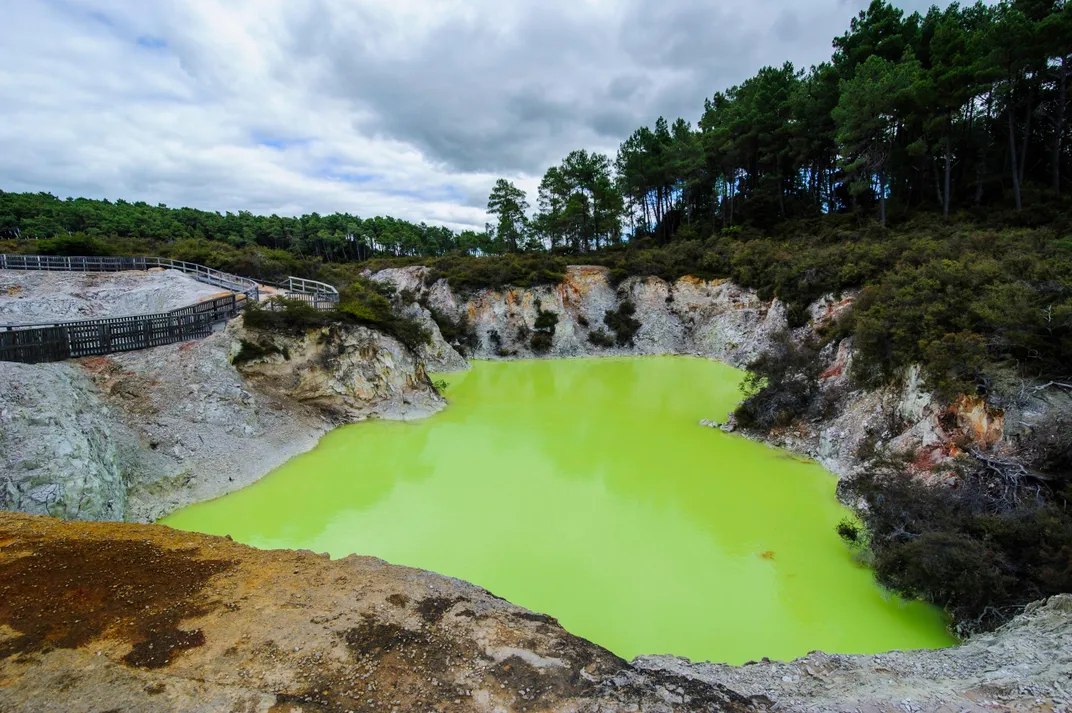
{"x":348,"y":372}
{"x":690,"y":316}
{"x":101,"y":617}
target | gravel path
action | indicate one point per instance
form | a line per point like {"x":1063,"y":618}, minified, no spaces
{"x":27,"y":297}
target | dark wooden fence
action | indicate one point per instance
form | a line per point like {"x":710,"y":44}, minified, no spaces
{"x":56,"y":341}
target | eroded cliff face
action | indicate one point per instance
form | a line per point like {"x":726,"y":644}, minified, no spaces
{"x":137,"y":435}
{"x":690,"y":316}
{"x":348,"y":373}
{"x":905,"y":418}
{"x":720,"y":320}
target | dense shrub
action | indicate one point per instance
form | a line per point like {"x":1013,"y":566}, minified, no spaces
{"x":979,"y":551}
{"x":459,"y":332}
{"x":600,"y":338}
{"x":467,"y":274}
{"x":291,"y":317}
{"x":541,"y":341}
{"x":545,"y":320}
{"x":622,"y":323}
{"x":782,"y":385}
{"x":77,"y":244}
{"x":368,"y":302}
{"x":251,"y":351}
{"x":543,"y":329}
{"x":364,"y":302}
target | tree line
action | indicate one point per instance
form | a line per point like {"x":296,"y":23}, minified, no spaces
{"x":953,"y":109}
{"x":338,"y":237}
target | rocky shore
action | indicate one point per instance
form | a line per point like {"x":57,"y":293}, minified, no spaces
{"x":135,"y":436}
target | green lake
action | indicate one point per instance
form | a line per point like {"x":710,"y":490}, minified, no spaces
{"x":586,"y":489}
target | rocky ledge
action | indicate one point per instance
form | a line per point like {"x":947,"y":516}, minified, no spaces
{"x":100,"y":617}
{"x":134,"y":436}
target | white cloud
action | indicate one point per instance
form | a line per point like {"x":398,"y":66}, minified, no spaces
{"x":406,"y":108}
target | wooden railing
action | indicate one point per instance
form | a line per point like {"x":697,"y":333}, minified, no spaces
{"x":319,"y":294}
{"x":200,"y":273}
{"x":55,"y":341}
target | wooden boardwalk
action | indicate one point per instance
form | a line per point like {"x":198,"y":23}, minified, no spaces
{"x":56,"y":341}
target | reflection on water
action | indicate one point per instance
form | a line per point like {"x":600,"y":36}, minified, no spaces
{"x":585,"y":489}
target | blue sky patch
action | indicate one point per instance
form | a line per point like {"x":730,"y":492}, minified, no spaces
{"x":152,"y":43}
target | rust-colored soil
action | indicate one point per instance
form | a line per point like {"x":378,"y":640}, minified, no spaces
{"x":116,"y":617}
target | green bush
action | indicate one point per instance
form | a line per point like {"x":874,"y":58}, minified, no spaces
{"x":781,"y":385}
{"x":546,"y":320}
{"x":457,"y":332}
{"x":600,"y":338}
{"x":252,"y":351}
{"x":292,"y":317}
{"x":363,"y":302}
{"x":367,"y":302}
{"x":468,"y":274}
{"x":978,"y":551}
{"x":543,"y":329}
{"x":541,"y":341}
{"x":622,"y":323}
{"x":77,"y":244}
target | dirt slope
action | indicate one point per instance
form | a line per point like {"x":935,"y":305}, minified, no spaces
{"x":99,"y":617}
{"x":42,"y":296}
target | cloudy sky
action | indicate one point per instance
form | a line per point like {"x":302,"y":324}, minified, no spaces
{"x":403,"y":107}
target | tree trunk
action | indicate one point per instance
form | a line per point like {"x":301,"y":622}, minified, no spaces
{"x":722,"y":195}
{"x":1060,"y":127}
{"x":938,"y":184}
{"x":781,"y":185}
{"x":948,"y":165}
{"x":1027,"y":134}
{"x":981,"y":161}
{"x":733,"y":194}
{"x":882,"y":196}
{"x":1012,"y":160}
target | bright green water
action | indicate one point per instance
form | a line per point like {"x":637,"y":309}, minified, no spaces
{"x":585,"y":489}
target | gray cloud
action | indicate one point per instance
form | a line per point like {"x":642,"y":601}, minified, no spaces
{"x":407,"y":108}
